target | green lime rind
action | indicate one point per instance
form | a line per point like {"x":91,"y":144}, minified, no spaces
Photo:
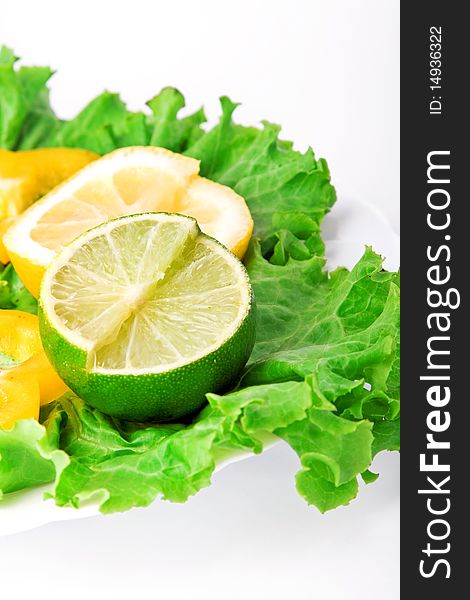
{"x":158,"y":396}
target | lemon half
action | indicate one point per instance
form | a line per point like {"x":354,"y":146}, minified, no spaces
{"x":127,"y":181}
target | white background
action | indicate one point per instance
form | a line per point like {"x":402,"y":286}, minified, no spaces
{"x":328,"y":72}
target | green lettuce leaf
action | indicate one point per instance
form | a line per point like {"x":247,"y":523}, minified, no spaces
{"x":20,"y":91}
{"x":166,"y":129}
{"x":271,"y":176}
{"x":266,"y":407}
{"x":386,"y":436}
{"x":336,"y":335}
{"x":95,"y":128}
{"x":124,"y":465}
{"x":105,"y":124}
{"x":38,"y":126}
{"x":13,"y":294}
{"x":29,"y":454}
{"x":333,"y":452}
{"x":307,"y":318}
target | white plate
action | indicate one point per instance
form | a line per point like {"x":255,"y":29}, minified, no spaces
{"x":347,"y":229}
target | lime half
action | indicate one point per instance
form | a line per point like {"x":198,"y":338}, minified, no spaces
{"x":143,"y":315}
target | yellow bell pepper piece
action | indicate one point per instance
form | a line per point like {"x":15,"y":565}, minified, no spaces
{"x":19,"y":399}
{"x":51,"y":385}
{"x":27,"y":379}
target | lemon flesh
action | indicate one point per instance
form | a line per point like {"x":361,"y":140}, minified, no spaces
{"x":145,"y":314}
{"x":128,"y":181}
{"x":26,"y":175}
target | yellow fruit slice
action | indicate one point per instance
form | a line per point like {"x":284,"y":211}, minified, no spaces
{"x":19,"y":399}
{"x":26,"y":376}
{"x":4,"y":225}
{"x":27,"y":175}
{"x":39,"y":368}
{"x":128,"y":181}
{"x":220,"y":213}
{"x":19,"y":336}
